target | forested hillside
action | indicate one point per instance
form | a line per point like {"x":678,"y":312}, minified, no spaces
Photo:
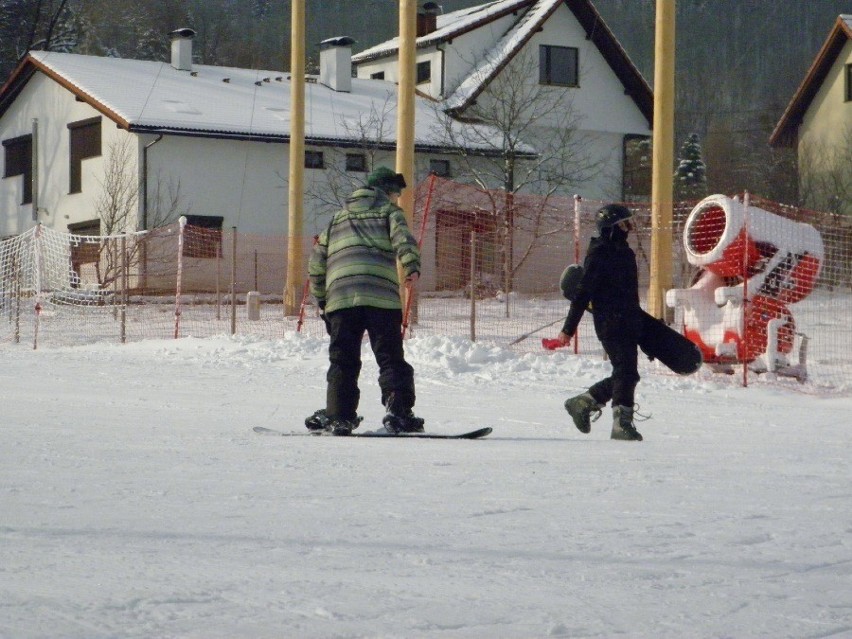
{"x":738,"y":63}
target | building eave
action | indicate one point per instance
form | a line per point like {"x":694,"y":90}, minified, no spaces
{"x":787,"y":129}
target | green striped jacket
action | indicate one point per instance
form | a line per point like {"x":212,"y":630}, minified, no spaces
{"x":354,"y":260}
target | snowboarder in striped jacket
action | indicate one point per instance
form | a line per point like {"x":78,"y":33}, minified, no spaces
{"x":353,"y":276}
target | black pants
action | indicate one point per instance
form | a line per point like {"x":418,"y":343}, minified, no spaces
{"x":621,"y":384}
{"x":396,"y":377}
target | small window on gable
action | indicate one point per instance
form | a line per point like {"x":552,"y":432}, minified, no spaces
{"x":18,"y":154}
{"x":441,"y":168}
{"x":356,"y":162}
{"x":314,"y":160}
{"x":424,"y":71}
{"x":558,"y":66}
{"x":849,"y":83}
{"x":85,"y":142}
{"x":379,"y":75}
{"x":205,"y":238}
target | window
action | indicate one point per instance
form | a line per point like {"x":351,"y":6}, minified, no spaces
{"x":85,"y":143}
{"x":19,"y":161}
{"x":441,"y":168}
{"x":424,"y":71}
{"x":380,"y":75}
{"x":849,"y":82}
{"x":356,"y":162}
{"x":558,"y":66}
{"x":205,"y":240}
{"x":636,"y":170}
{"x":314,"y":160}
{"x":84,"y":250}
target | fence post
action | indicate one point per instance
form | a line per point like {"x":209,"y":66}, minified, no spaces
{"x":37,"y":282}
{"x":410,"y":292}
{"x":124,"y":289}
{"x":181,"y":227}
{"x":473,"y":286}
{"x":234,"y":281}
{"x":577,"y":199}
{"x":745,"y":206}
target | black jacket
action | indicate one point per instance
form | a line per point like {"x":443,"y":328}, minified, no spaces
{"x":611,"y":284}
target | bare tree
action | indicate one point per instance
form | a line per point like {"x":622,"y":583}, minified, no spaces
{"x":525,"y":138}
{"x":117,"y":208}
{"x":371,"y":137}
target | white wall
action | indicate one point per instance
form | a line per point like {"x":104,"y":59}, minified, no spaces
{"x":54,"y":107}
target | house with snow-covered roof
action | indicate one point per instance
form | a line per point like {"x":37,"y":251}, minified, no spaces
{"x":206,"y":141}
{"x":818,"y":123}
{"x":461,"y":53}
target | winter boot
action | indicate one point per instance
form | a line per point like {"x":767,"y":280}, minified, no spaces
{"x":581,"y":408}
{"x":320,"y":421}
{"x":342,"y":427}
{"x":407,"y":423}
{"x":622,"y":424}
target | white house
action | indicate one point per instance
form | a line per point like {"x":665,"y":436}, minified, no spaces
{"x":460,"y":54}
{"x":210,"y":142}
{"x":818,"y":123}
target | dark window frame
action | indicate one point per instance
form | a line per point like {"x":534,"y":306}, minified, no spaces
{"x":208,"y":242}
{"x":314,"y":160}
{"x":84,"y":142}
{"x":356,"y":162}
{"x":441,"y":168}
{"x":848,"y":83}
{"x":378,"y":75}
{"x":424,"y":72}
{"x":18,"y":160}
{"x":550,"y":73}
{"x":633,"y":175}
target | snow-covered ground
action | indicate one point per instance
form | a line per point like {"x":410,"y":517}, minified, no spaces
{"x":136,"y":502}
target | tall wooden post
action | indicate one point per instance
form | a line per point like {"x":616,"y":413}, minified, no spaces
{"x":295,"y":202}
{"x":405,"y":103}
{"x":405,"y":114}
{"x":663,"y":158}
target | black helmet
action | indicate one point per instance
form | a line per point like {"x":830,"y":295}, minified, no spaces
{"x":610,"y":215}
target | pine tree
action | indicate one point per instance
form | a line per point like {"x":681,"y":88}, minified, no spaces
{"x":690,"y":178}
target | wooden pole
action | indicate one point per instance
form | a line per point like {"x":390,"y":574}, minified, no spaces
{"x":295,"y":225}
{"x":405,"y":103}
{"x":663,"y":159}
{"x":405,"y":115}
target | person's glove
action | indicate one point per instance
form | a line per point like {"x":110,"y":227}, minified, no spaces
{"x":323,"y":316}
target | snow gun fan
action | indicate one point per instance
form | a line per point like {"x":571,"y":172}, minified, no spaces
{"x":776,"y":258}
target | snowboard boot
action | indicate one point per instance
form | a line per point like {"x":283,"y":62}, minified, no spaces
{"x":407,"y":423}
{"x":581,"y":408}
{"x":342,"y":427}
{"x":320,"y":421}
{"x":622,"y":424}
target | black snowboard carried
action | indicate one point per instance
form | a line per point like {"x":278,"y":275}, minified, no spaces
{"x":472,"y":434}
{"x":658,"y":341}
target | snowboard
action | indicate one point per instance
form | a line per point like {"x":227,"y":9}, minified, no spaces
{"x":658,"y":340}
{"x":472,"y":434}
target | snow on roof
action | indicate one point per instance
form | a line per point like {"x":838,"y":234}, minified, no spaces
{"x":231,"y":102}
{"x":497,"y":56}
{"x":448,"y":26}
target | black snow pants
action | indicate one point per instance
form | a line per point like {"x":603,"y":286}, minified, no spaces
{"x":396,"y":376}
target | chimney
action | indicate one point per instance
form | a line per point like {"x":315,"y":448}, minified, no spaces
{"x":427,"y":18}
{"x":336,"y":63}
{"x":182,"y":48}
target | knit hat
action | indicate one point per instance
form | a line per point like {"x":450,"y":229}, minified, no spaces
{"x":386,"y":180}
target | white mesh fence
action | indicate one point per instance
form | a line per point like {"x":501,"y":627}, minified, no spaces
{"x":765,"y":291}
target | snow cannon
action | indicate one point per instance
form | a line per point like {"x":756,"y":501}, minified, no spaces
{"x":783,"y":255}
{"x":779,"y":258}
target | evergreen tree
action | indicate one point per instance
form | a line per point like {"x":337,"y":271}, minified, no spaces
{"x":690,"y":178}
